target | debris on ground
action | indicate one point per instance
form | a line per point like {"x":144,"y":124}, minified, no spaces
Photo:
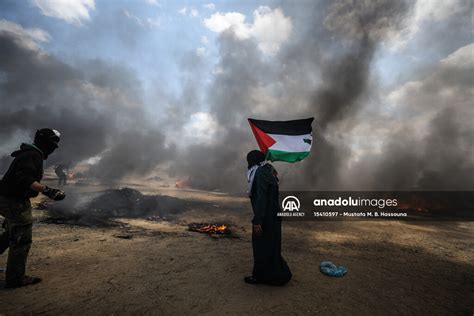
{"x":330,"y":269}
{"x":99,"y":208}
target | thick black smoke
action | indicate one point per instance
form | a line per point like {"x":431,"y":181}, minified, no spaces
{"x":360,"y":27}
{"x":414,"y":136}
{"x":97,"y":107}
{"x":219,"y":165}
{"x":344,"y":82}
{"x":434,"y":151}
{"x":326,"y":71}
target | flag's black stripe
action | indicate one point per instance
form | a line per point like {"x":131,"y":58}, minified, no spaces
{"x":295,"y":127}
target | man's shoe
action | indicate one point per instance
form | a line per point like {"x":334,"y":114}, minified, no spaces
{"x":250,"y":280}
{"x":27,"y":280}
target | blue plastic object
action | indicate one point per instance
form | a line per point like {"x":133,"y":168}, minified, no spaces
{"x":330,"y":269}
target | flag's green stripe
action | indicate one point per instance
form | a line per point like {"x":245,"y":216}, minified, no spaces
{"x":277,"y":155}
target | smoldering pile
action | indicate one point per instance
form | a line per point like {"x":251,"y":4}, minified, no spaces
{"x":101,"y":208}
{"x":213,"y":230}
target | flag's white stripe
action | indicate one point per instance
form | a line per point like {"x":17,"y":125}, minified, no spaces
{"x":291,"y":143}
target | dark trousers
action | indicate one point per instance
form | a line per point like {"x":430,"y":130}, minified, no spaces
{"x":62,"y":178}
{"x":17,"y":236}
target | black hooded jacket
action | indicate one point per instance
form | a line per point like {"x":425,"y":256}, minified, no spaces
{"x":26,"y":168}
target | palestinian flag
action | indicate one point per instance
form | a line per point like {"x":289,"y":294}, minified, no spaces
{"x":288,"y":141}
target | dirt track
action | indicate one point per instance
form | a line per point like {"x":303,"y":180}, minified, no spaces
{"x":394,"y":267}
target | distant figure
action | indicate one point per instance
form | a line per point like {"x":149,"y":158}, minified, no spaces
{"x":20,"y":183}
{"x":269,"y":266}
{"x":62,"y":172}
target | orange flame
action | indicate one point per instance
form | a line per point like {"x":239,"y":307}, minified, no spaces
{"x":213,"y":229}
{"x":182,"y":184}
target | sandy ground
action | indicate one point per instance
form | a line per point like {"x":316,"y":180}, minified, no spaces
{"x":408,"y":268}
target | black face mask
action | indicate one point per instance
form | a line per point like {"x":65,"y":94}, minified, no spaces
{"x":255,"y":157}
{"x":47,"y":148}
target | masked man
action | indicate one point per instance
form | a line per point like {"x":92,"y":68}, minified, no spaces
{"x":20,"y":183}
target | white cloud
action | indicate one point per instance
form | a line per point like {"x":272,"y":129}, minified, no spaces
{"x":201,"y":51}
{"x":270,"y":28}
{"x":71,"y":11}
{"x":426,"y":11}
{"x":27,"y":37}
{"x":436,"y":10}
{"x":193,"y":13}
{"x":204,"y":40}
{"x":220,"y":22}
{"x":153,"y":22}
{"x":133,"y":17}
{"x":148,"y":22}
{"x":210,"y":6}
{"x":153,"y":2}
{"x":461,"y":58}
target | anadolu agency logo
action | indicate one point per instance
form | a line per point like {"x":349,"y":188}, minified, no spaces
{"x":290,"y":203}
{"x":290,"y":206}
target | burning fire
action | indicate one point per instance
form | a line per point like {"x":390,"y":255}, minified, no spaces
{"x":213,"y":229}
{"x":182,"y":184}
{"x":209,"y":229}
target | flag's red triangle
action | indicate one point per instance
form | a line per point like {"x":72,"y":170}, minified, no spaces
{"x":264,"y":141}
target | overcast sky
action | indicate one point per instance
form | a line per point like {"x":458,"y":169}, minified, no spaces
{"x":173,"y":58}
{"x":151,"y":37}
